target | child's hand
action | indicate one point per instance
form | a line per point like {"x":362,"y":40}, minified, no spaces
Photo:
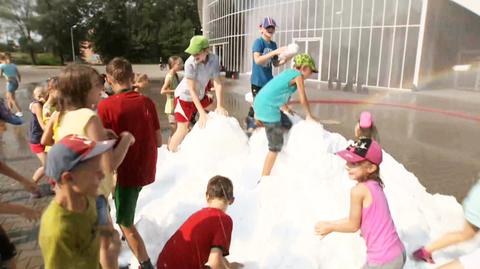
{"x":202,"y":120}
{"x":280,"y":50}
{"x":30,"y":214}
{"x":221,"y":110}
{"x":127,"y":135}
{"x":323,"y":228}
{"x":311,"y":118}
{"x":30,"y":186}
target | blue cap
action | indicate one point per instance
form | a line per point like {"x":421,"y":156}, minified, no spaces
{"x":70,"y":151}
{"x":268,"y":22}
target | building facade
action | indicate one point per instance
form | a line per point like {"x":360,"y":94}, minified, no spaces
{"x":377,"y":43}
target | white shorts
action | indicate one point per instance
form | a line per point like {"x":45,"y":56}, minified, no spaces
{"x":471,"y":260}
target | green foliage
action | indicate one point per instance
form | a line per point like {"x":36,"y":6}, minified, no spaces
{"x":42,"y":59}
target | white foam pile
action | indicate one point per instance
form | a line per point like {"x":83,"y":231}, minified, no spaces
{"x":274,"y":220}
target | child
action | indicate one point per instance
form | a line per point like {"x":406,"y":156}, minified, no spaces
{"x":369,"y":210}
{"x":365,"y":127}
{"x":140,"y":82}
{"x":7,"y":249}
{"x":204,"y":238}
{"x":130,"y":111}
{"x":265,"y":55}
{"x":13,"y":78}
{"x":190,"y":95}
{"x":274,"y":96}
{"x":175,"y":64}
{"x":69,"y":236}
{"x":79,"y":92}
{"x":471,"y":207}
{"x":36,"y":129}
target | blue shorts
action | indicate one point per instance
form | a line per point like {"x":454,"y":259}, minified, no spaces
{"x":102,"y":210}
{"x":12,"y":85}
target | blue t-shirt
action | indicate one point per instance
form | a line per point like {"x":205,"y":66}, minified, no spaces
{"x":471,"y":205}
{"x":9,"y":70}
{"x":274,"y":95}
{"x":261,"y":74}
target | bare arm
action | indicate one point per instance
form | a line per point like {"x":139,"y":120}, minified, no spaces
{"x":9,"y":172}
{"x":216,"y":260}
{"x":262,"y":59}
{"x":111,"y":159}
{"x":47,"y":137}
{"x":21,"y":210}
{"x":38,"y":110}
{"x":166,"y":86}
{"x":353,"y":222}
{"x":217,"y":83}
{"x":303,"y":97}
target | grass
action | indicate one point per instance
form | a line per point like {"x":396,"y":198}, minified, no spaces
{"x":42,"y":58}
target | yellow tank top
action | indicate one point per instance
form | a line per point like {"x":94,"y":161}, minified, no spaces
{"x":75,"y":122}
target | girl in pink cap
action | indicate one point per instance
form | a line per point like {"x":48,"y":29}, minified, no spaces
{"x":369,"y":211}
{"x":365,"y":127}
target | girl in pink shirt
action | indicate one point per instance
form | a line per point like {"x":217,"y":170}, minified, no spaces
{"x":369,"y":210}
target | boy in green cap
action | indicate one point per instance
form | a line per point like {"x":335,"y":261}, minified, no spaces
{"x":274,"y":96}
{"x":201,"y":67}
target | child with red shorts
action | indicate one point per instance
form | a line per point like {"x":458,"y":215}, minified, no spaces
{"x":37,"y":126}
{"x":190,"y":97}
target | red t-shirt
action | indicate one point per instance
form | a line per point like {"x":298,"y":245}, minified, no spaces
{"x":135,"y":113}
{"x":190,"y":246}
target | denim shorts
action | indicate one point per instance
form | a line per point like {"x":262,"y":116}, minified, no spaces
{"x":12,"y":85}
{"x":275,"y":132}
{"x":102,"y":210}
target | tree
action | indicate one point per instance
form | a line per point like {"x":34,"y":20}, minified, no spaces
{"x":55,"y":18}
{"x":21,"y":14}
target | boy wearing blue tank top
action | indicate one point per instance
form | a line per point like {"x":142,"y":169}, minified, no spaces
{"x":274,"y":96}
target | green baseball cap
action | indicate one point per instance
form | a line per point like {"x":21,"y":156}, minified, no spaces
{"x":197,"y":44}
{"x":304,"y":59}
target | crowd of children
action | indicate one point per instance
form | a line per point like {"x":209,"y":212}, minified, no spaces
{"x":89,"y":140}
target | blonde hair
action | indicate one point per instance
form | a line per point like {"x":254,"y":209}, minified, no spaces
{"x":174,"y":59}
{"x":40,"y":94}
{"x":139,"y":78}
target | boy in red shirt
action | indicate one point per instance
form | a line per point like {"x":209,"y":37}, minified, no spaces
{"x":130,"y":111}
{"x":203,"y":240}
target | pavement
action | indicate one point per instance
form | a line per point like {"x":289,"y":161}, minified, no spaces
{"x":433,"y":133}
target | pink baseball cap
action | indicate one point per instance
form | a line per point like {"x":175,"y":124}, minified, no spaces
{"x":363,"y":149}
{"x":365,"y":120}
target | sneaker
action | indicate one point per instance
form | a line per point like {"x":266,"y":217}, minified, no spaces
{"x":146,"y":265}
{"x":251,"y":125}
{"x":19,"y":114}
{"x":36,"y":195}
{"x":423,"y":254}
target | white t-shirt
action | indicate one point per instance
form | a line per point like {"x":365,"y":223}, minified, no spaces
{"x":201,"y":73}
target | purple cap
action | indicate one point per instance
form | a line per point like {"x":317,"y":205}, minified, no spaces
{"x":72,"y":150}
{"x":363,"y":149}
{"x":365,"y":120}
{"x":268,"y":22}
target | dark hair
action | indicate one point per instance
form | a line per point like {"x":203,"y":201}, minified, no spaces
{"x":74,"y":83}
{"x":371,"y":132}
{"x":120,"y":69}
{"x":220,"y":187}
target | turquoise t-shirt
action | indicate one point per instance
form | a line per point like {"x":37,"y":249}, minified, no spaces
{"x":274,"y":95}
{"x":9,"y":70}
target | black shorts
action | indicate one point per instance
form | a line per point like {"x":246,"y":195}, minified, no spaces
{"x":255,"y":89}
{"x":7,"y":249}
